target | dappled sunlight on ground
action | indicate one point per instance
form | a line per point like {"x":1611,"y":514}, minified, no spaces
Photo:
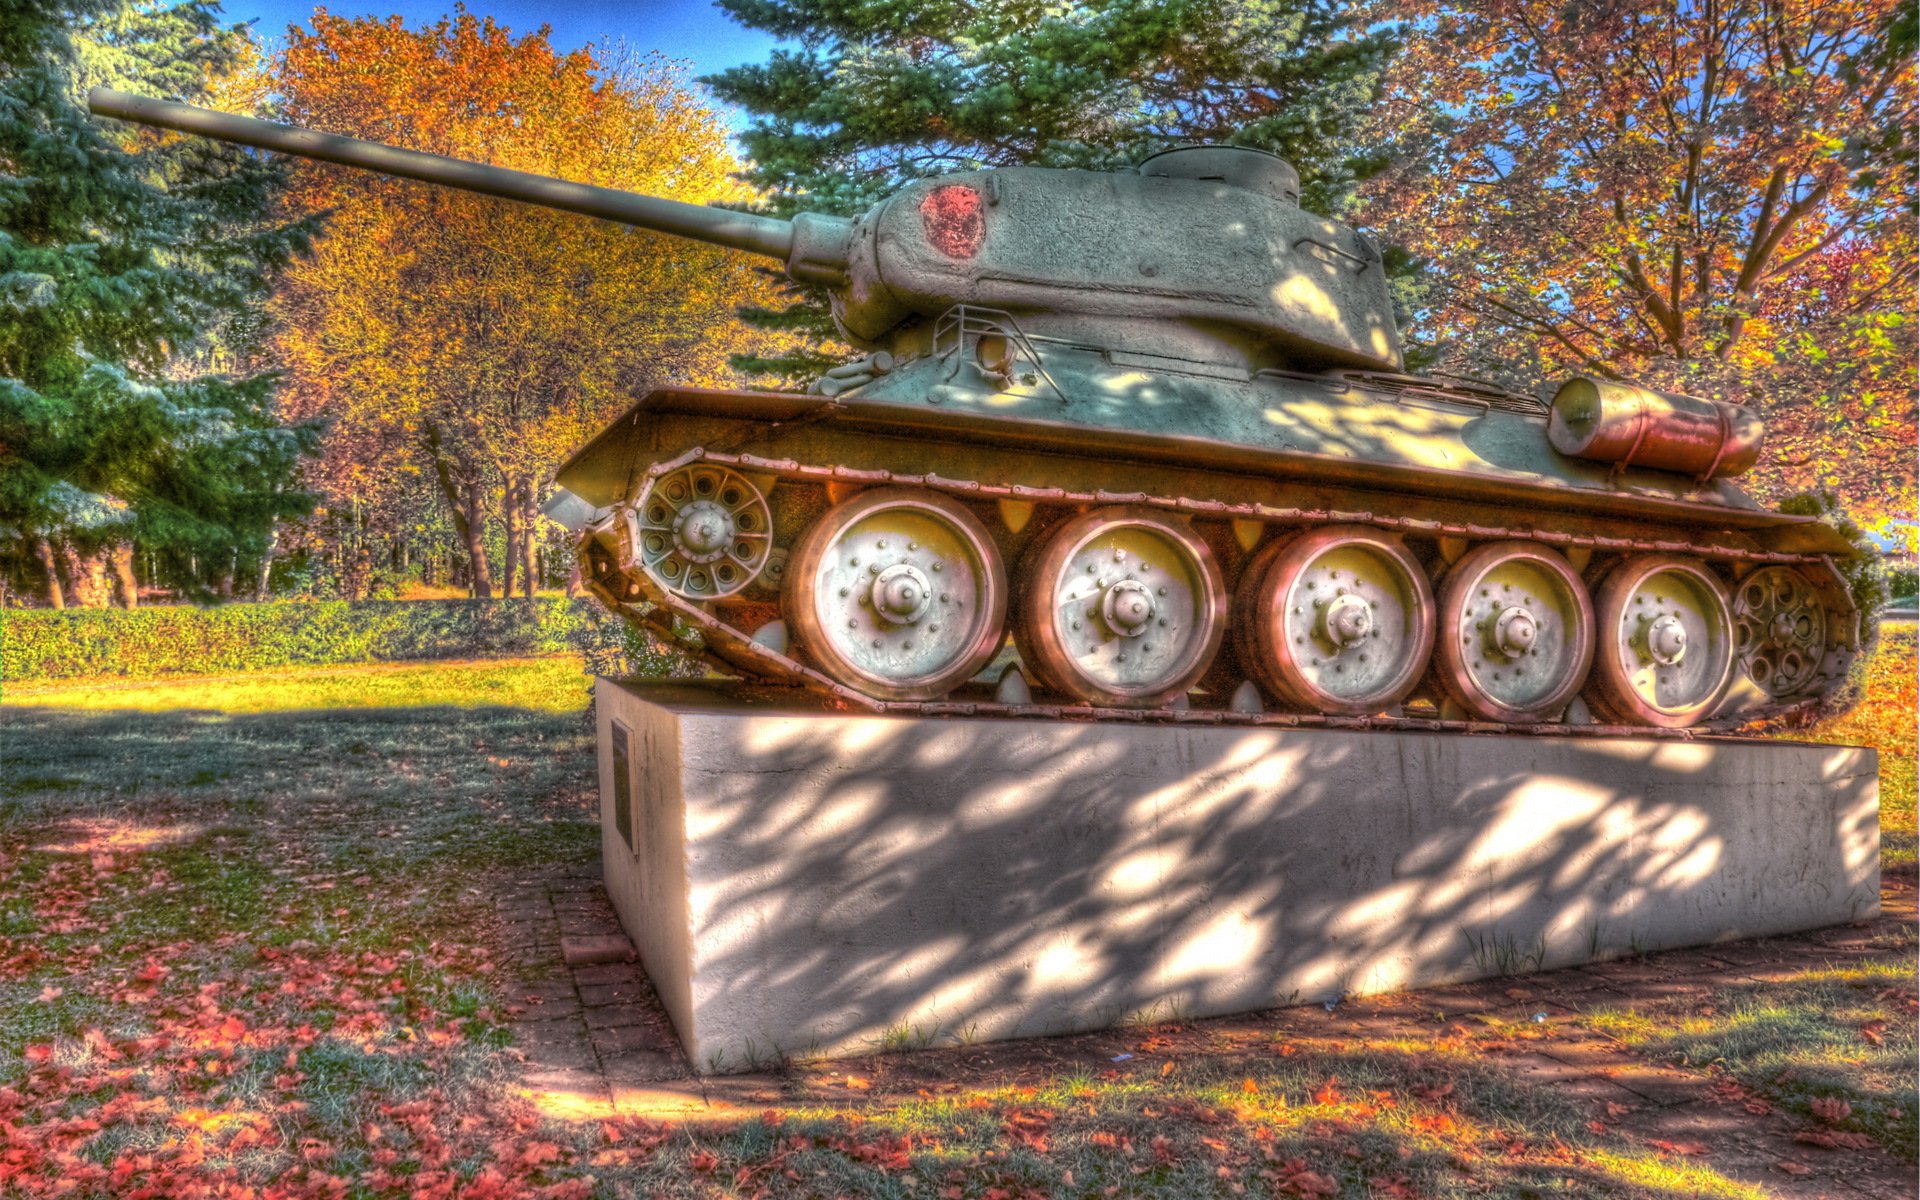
{"x":109,"y":836}
{"x":248,"y":940}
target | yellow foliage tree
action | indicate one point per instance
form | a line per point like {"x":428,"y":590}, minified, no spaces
{"x":467,"y":344}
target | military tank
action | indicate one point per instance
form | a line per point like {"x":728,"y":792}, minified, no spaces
{"x":1139,"y":445}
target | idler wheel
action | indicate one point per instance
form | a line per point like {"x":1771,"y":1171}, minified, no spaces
{"x":1514,"y":636}
{"x":1666,"y":647}
{"x":1780,"y":630}
{"x":897,"y":593}
{"x":1121,"y":607}
{"x":1337,"y":620}
{"x":703,"y":531}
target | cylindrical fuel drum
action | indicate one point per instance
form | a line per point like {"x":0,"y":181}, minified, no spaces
{"x":1624,"y":423}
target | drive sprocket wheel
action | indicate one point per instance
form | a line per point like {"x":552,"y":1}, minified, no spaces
{"x":1514,"y":638}
{"x":898,"y":593}
{"x":1666,"y":642}
{"x":1123,"y":607}
{"x":1337,"y":620}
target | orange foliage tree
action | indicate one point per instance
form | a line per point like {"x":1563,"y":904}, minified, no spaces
{"x":1714,"y":195}
{"x":462,"y":345}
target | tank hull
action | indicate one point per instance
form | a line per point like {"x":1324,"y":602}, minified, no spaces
{"x":1025,"y":476}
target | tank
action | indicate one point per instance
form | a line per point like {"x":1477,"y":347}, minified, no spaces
{"x":1139,"y":445}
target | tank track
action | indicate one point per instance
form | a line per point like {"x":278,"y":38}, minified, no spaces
{"x":635,"y":594}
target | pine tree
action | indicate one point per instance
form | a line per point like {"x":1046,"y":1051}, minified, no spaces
{"x":129,"y":262}
{"x":880,"y":93}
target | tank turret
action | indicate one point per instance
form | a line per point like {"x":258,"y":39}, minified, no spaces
{"x":1088,"y":252}
{"x":1135,"y":445}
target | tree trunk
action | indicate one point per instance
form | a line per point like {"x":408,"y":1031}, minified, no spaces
{"x":126,"y":589}
{"x":86,"y":576}
{"x":530,"y":536}
{"x":266,"y":565}
{"x":466,"y":500}
{"x":573,"y":576}
{"x":510,"y":517}
{"x":473,"y":526}
{"x":56,"y":595}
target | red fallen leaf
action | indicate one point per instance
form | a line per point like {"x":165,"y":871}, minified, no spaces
{"x":704,"y":1161}
{"x":1833,"y":1139}
{"x":539,"y":1153}
{"x":1794,"y":1168}
{"x":1689,"y":1148}
{"x":1328,"y":1092}
{"x":1310,"y":1183}
{"x":232,"y":1029}
{"x":1831,"y":1109}
{"x":1873,"y":1030}
{"x":38,"y":1054}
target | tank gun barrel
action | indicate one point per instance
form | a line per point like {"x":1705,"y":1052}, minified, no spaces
{"x":755,"y":234}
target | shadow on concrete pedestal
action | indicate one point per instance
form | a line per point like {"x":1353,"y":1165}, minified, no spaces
{"x":802,"y":883}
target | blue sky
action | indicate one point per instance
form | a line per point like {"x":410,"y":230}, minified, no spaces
{"x":686,"y":29}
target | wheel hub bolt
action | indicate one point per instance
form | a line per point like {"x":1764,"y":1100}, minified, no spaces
{"x":1780,"y":629}
{"x":901,"y":594}
{"x":1514,"y":632}
{"x":1128,"y":608}
{"x":1345,"y":620}
{"x":1667,"y":640}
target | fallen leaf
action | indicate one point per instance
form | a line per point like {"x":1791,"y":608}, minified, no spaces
{"x":1831,"y":1109}
{"x":1794,"y":1168}
{"x":1688,"y":1148}
{"x":1833,"y":1139}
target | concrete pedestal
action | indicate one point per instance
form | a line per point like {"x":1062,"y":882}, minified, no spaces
{"x":808,"y":883}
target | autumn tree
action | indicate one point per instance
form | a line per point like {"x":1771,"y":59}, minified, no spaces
{"x":131,"y":265}
{"x":466,"y":344}
{"x":1715,"y":195}
{"x":875,"y":94}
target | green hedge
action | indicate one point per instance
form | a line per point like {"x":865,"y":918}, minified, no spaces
{"x":45,"y":644}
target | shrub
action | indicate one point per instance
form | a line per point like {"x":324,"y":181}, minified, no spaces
{"x":46,"y":644}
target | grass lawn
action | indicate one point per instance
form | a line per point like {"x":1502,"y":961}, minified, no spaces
{"x":247,"y":940}
{"x":1835,"y":1046}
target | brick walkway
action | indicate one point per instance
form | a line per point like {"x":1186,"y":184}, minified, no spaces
{"x":595,"y":1037}
{"x":597,"y":1041}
